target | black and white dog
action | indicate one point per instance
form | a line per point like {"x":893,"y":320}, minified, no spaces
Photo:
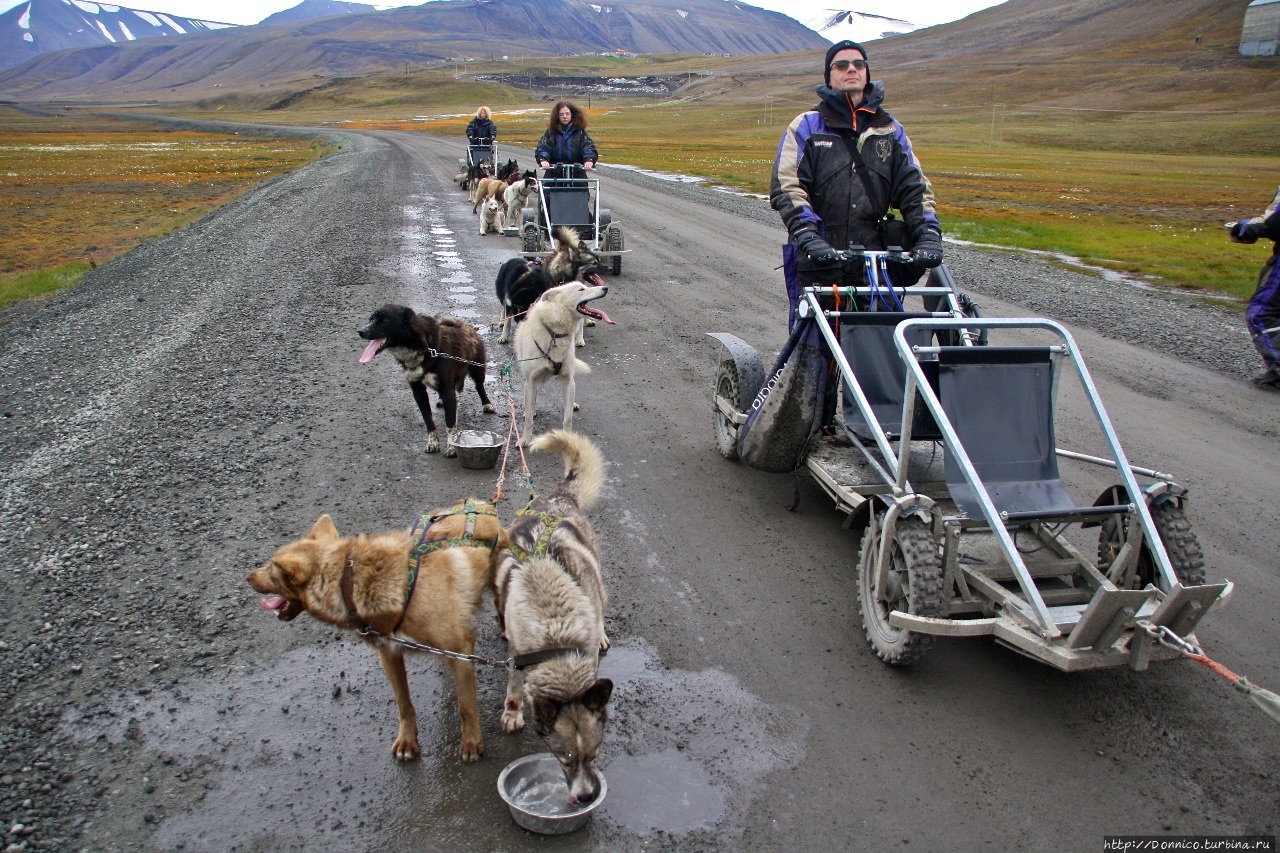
{"x":521,"y":282}
{"x":435,"y":352}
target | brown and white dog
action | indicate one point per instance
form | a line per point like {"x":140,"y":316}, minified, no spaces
{"x":551,"y":600}
{"x":437,"y":352}
{"x":516,"y":196}
{"x":486,"y":189}
{"x":423,"y":584}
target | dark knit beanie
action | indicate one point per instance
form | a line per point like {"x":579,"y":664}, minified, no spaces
{"x":836,"y":48}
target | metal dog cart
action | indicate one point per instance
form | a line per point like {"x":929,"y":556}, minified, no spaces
{"x":478,"y":150}
{"x":945,"y":453}
{"x":567,"y":197}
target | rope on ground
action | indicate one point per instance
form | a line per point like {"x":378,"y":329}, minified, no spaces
{"x":1166,"y":636}
{"x":1264,"y":699}
{"x":513,"y":432}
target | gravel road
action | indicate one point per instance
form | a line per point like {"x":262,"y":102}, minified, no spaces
{"x":197,"y":402}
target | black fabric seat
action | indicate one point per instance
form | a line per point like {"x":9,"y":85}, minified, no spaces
{"x":866,"y":339}
{"x":999,"y":400}
{"x":569,"y":205}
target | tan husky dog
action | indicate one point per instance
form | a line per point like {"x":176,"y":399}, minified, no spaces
{"x":422,"y":584}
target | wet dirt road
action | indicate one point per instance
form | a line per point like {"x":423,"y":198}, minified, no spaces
{"x":747,"y":713}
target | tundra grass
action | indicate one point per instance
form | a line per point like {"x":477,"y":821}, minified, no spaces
{"x":69,"y":197}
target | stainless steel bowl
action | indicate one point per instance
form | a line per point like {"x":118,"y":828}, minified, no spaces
{"x":477,"y":448}
{"x":534,"y":789}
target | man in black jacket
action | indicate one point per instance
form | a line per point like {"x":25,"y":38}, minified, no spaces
{"x":1263,"y":313}
{"x":824,"y":202}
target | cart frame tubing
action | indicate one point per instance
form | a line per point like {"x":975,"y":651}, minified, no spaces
{"x":916,"y":381}
{"x":544,"y":213}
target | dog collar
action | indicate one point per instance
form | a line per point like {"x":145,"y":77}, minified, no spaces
{"x":348,"y":593}
{"x":534,"y":658}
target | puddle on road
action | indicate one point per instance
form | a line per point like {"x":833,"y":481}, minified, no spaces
{"x":298,"y":753}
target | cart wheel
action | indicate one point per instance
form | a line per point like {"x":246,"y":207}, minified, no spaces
{"x":613,"y":243}
{"x":729,"y":386}
{"x":915,"y":587}
{"x":530,"y":237}
{"x":1180,"y":543}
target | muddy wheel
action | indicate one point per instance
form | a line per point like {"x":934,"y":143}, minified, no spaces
{"x":729,"y":385}
{"x":1180,"y":543}
{"x":914,"y":586}
{"x":613,"y":242}
{"x":531,"y":238}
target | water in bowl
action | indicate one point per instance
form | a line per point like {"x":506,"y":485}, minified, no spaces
{"x":544,"y":793}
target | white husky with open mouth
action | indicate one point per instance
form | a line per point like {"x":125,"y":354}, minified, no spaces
{"x":546,"y":344}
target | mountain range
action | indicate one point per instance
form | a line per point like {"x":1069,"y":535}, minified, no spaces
{"x":41,"y":26}
{"x":295,"y":45}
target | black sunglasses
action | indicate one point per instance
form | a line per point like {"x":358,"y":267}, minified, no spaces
{"x":843,"y":64}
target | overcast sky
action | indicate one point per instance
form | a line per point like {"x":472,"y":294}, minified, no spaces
{"x":920,"y":12}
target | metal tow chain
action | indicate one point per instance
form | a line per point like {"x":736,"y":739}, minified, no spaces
{"x":1167,"y":637}
{"x":506,"y":663}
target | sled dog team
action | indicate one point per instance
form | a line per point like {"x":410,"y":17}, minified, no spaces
{"x":424,"y":584}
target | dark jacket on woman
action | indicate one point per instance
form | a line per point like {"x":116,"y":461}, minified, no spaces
{"x":481,"y":128}
{"x":566,"y":144}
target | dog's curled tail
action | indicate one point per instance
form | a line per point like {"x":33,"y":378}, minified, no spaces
{"x":568,"y":237}
{"x":583,"y":464}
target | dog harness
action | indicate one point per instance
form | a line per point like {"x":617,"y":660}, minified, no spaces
{"x":556,"y":366}
{"x":425,"y":545}
{"x":549,"y":524}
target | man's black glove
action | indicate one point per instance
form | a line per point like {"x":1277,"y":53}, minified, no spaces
{"x":809,"y":241}
{"x":1243,"y":231}
{"x":928,"y":249}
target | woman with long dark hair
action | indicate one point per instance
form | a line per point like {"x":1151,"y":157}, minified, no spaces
{"x":566,"y":139}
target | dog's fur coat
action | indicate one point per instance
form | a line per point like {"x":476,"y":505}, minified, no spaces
{"x":546,"y":345}
{"x":475,"y":174}
{"x":516,"y":196}
{"x":491,"y":216}
{"x":411,"y":337}
{"x":308,"y":575}
{"x":487,"y":188}
{"x":551,"y":598}
{"x":520,"y":282}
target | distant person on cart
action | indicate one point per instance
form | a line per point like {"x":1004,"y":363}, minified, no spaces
{"x":481,"y":130}
{"x":841,"y":165}
{"x":1263,"y":314}
{"x":566,"y":139}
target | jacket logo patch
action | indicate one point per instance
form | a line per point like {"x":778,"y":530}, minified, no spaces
{"x":884,"y":149}
{"x":822,"y":143}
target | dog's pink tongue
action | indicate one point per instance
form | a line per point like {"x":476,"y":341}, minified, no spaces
{"x":371,"y":350}
{"x":273,"y":602}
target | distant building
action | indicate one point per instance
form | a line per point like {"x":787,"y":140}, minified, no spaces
{"x":1260,"y":35}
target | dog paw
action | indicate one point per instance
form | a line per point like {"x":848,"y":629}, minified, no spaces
{"x":433,"y":443}
{"x":489,"y":409}
{"x":472,"y":750}
{"x":405,"y":748}
{"x":512,"y":722}
{"x":450,"y":452}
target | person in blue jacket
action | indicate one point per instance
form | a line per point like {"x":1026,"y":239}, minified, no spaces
{"x":566,"y":139}
{"x":843,"y":164}
{"x":481,"y":130}
{"x":1263,"y":313}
